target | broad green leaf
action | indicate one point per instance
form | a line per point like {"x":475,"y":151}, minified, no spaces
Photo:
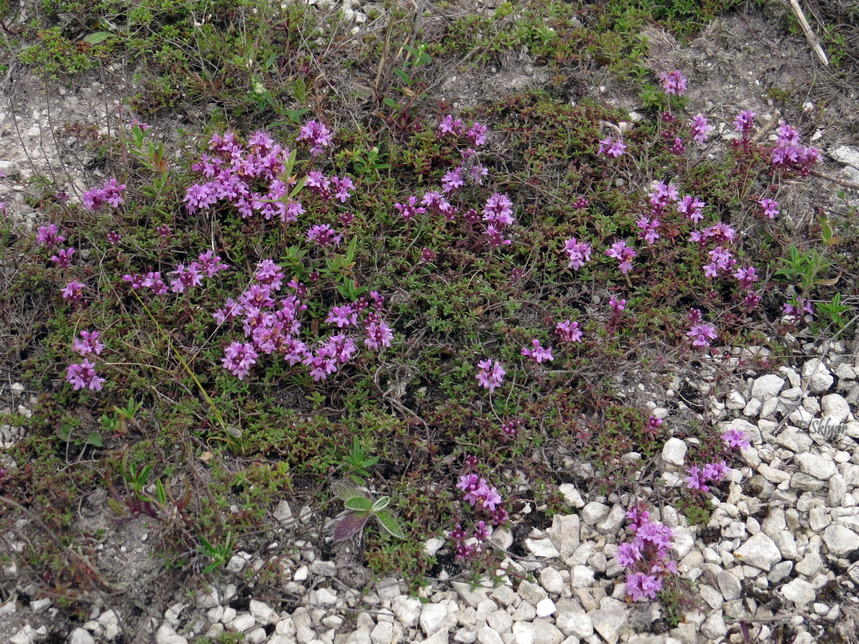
{"x":350,"y":525}
{"x":97,"y":37}
{"x":359,"y":503}
{"x":390,"y":524}
{"x":381,"y":504}
{"x":95,"y":440}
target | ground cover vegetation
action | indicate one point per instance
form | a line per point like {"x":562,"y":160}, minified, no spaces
{"x":350,"y":295}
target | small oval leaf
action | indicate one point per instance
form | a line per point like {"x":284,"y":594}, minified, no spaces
{"x":360,"y":503}
{"x":97,"y":38}
{"x":390,"y":524}
{"x":381,"y":504}
{"x":349,"y":526}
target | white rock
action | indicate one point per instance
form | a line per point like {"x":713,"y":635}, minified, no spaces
{"x":759,"y":551}
{"x":729,"y":585}
{"x":471,"y":596}
{"x":846,"y":155}
{"x":582,"y":577}
{"x":434,"y":618}
{"x":433,"y":545}
{"x":383,"y":633}
{"x":500,"y":621}
{"x":735,"y":401}
{"x":572,"y":621}
{"x":571,"y":495}
{"x":767,"y":387}
{"x":301,"y":574}
{"x":242,"y":622}
{"x":407,"y":610}
{"x":817,"y":375}
{"x":236,"y":564}
{"x":786,"y":544}
{"x":818,"y":466}
{"x":714,"y":626}
{"x":262,"y":612}
{"x":545,"y":631}
{"x":799,"y":591}
{"x":326,"y":597}
{"x":551,"y":580}
{"x":840,"y":540}
{"x":682,"y":542}
{"x":545,"y":607}
{"x":810,"y":565}
{"x":282,"y":512}
{"x":835,"y":407}
{"x":543,"y":548}
{"x":609,"y":623}
{"x":674,"y":451}
{"x":594,"y":512}
{"x":256,"y":636}
{"x":80,"y":636}
{"x":208,"y":599}
{"x":109,"y":621}
{"x":488,"y":636}
{"x":613,"y":520}
{"x":165,"y":635}
{"x":564,"y":533}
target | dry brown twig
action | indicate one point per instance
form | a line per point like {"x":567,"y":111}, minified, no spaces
{"x":809,"y":34}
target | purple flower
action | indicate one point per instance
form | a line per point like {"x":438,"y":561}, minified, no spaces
{"x":744,"y":122}
{"x":490,"y":374}
{"x":210,"y":263}
{"x":627,"y":554}
{"x":678,"y":147}
{"x":239,"y":358}
{"x":476,"y":134}
{"x":746,"y":276}
{"x":378,"y":335}
{"x":578,"y":253}
{"x":63,"y":258}
{"x":342,"y":316}
{"x":673,"y":82}
{"x":797,"y":309}
{"x":49,"y":236}
{"x":715,"y":471}
{"x":498,"y":211}
{"x":113,"y":237}
{"x":623,"y":254}
{"x":611,"y":148}
{"x":450,"y":127}
{"x":83,"y":376}
{"x":185,"y":278}
{"x":735,"y":438}
{"x":410,"y":209}
{"x":702,"y":335}
{"x":700,"y":128}
{"x":538,"y":353}
{"x":569,"y":331}
{"x":269,"y":274}
{"x":317,"y":135}
{"x":323,"y":235}
{"x":648,"y":229}
{"x":110,"y":192}
{"x":88,"y":343}
{"x":73,"y":291}
{"x":695,"y":481}
{"x":617,"y":306}
{"x":770,"y":207}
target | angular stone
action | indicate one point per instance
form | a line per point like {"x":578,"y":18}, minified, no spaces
{"x":531,"y":592}
{"x":488,"y":636}
{"x":609,"y":623}
{"x":564,"y":533}
{"x":799,"y":591}
{"x":613,"y":520}
{"x":551,"y":580}
{"x":262,"y":612}
{"x":471,"y":596}
{"x":582,"y":577}
{"x":241,"y":623}
{"x":836,"y":408}
{"x":407,"y":610}
{"x":816,"y":465}
{"x":594,"y":512}
{"x":571,"y":495}
{"x":779,"y":571}
{"x":545,"y":607}
{"x":810,"y":565}
{"x":806,"y":482}
{"x":434,"y":618}
{"x":729,"y":585}
{"x":817,"y":375}
{"x":840,"y":541}
{"x":572,"y":621}
{"x":543,"y":548}
{"x":767,"y":387}
{"x":674,"y":451}
{"x":759,"y":551}
{"x":714,"y":626}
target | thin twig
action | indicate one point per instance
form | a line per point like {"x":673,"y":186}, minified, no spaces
{"x":829,"y":177}
{"x":809,"y":34}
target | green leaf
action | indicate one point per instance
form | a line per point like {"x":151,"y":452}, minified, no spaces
{"x":361,"y":503}
{"x":97,"y":37}
{"x":390,"y":524}
{"x":160,"y":492}
{"x":381,"y":504}
{"x":95,"y":440}
{"x":403,"y":76}
{"x":390,"y":102}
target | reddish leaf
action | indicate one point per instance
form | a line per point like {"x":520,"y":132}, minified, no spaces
{"x":350,"y":525}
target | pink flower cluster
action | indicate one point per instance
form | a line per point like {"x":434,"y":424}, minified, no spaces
{"x":673,"y":82}
{"x":578,"y":253}
{"x":698,"y":477}
{"x":317,"y":135}
{"x":537,"y":352}
{"x":770,"y":207}
{"x":797,"y":309}
{"x":469,"y":547}
{"x":788,"y":153}
{"x":110,"y":192}
{"x":569,"y":331}
{"x":49,"y":236}
{"x":323,"y":235}
{"x":455,"y":128}
{"x":700,"y":334}
{"x":83,"y":375}
{"x":647,"y":557}
{"x":744,"y":123}
{"x":73,"y":292}
{"x":623,"y":254}
{"x":700,"y":128}
{"x":735,"y":439}
{"x":208,"y":264}
{"x":610,"y":147}
{"x":490,"y":374}
{"x":272,"y":326}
